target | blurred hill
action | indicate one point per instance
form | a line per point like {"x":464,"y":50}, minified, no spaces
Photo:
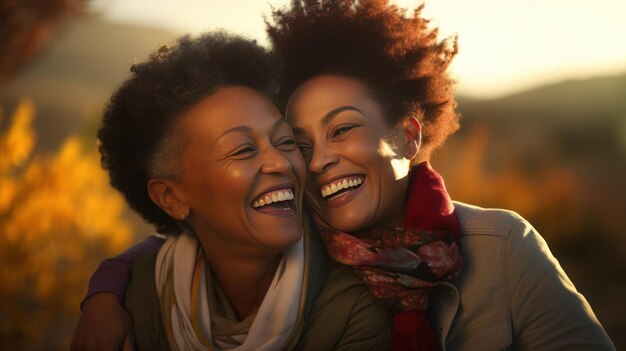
{"x":78,"y":72}
{"x":583,"y":116}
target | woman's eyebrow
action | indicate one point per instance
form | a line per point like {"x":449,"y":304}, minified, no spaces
{"x":328,"y":117}
{"x":337,"y":110}
{"x":247,"y":129}
{"x":238,"y":129}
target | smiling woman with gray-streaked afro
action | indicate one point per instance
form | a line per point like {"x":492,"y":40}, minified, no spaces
{"x":145,"y":108}
{"x":196,"y":145}
{"x":398,"y":58}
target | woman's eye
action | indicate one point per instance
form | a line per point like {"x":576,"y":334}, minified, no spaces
{"x":304,"y":148}
{"x":287,"y":144}
{"x":243,"y":151}
{"x":342,"y":130}
{"x":306,"y":151}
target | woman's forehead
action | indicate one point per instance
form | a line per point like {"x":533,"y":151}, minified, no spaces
{"x":322,"y":97}
{"x":232,"y":107}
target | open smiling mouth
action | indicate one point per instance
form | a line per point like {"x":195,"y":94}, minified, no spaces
{"x":279,"y":202}
{"x":341,"y":186}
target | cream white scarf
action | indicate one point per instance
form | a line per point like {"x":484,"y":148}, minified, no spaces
{"x":274,"y":322}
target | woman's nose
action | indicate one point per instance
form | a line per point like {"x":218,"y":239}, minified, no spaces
{"x":274,"y":161}
{"x":322,"y":159}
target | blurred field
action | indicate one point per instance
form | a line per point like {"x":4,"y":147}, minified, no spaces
{"x":555,"y":154}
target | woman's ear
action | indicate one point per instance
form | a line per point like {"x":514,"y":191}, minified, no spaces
{"x":413,"y":130}
{"x":165,"y":194}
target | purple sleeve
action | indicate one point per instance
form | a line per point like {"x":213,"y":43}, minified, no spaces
{"x":113,"y":274}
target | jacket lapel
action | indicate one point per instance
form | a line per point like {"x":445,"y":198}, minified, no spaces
{"x":443,"y":303}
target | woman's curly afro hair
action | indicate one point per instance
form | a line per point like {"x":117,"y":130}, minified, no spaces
{"x":399,"y":59}
{"x":141,"y":115}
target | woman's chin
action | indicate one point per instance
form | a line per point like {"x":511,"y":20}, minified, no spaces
{"x":279,"y":231}
{"x":283,"y":240}
{"x":346,"y":222}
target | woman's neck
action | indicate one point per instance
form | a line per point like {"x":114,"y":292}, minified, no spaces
{"x":245,"y":281}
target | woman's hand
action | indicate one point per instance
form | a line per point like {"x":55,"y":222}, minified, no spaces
{"x":104,"y":325}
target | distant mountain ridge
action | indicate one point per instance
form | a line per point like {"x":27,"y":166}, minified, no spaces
{"x":582,"y":116}
{"x":576,"y":100}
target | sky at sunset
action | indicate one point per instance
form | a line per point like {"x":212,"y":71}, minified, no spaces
{"x":505,"y":45}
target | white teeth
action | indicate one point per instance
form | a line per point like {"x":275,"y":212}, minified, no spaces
{"x":276,"y":196}
{"x":333,"y":188}
{"x":339,"y":185}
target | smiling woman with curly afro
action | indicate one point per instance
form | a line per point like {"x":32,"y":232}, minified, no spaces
{"x":399,"y":59}
{"x":363,"y":87}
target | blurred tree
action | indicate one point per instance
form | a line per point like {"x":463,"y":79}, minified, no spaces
{"x":26,"y":26}
{"x":58,"y":218}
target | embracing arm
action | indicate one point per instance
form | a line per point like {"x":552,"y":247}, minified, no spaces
{"x":547,"y":312}
{"x":104,"y":323}
{"x":113,"y":274}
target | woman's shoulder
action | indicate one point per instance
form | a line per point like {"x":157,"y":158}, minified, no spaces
{"x":142,"y":302}
{"x":342,"y":285}
{"x":346,"y":316}
{"x":504,"y":232}
{"x":496,"y":222}
{"x":142,"y":286}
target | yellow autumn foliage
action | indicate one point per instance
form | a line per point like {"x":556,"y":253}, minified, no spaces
{"x":17,"y":142}
{"x":58,"y":218}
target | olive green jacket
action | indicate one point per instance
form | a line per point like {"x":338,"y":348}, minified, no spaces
{"x":512,"y":293}
{"x":338,"y":313}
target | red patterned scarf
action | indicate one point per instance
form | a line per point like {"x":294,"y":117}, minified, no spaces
{"x":401,"y":266}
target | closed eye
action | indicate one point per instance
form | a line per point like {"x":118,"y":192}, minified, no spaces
{"x":304,"y":148}
{"x":243,"y":151}
{"x":342,"y":129}
{"x":286,"y":144}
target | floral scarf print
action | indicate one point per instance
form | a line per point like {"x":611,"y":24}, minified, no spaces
{"x":401,"y":266}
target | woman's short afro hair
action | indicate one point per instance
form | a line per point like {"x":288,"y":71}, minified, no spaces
{"x":141,"y":115}
{"x":398,"y":58}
